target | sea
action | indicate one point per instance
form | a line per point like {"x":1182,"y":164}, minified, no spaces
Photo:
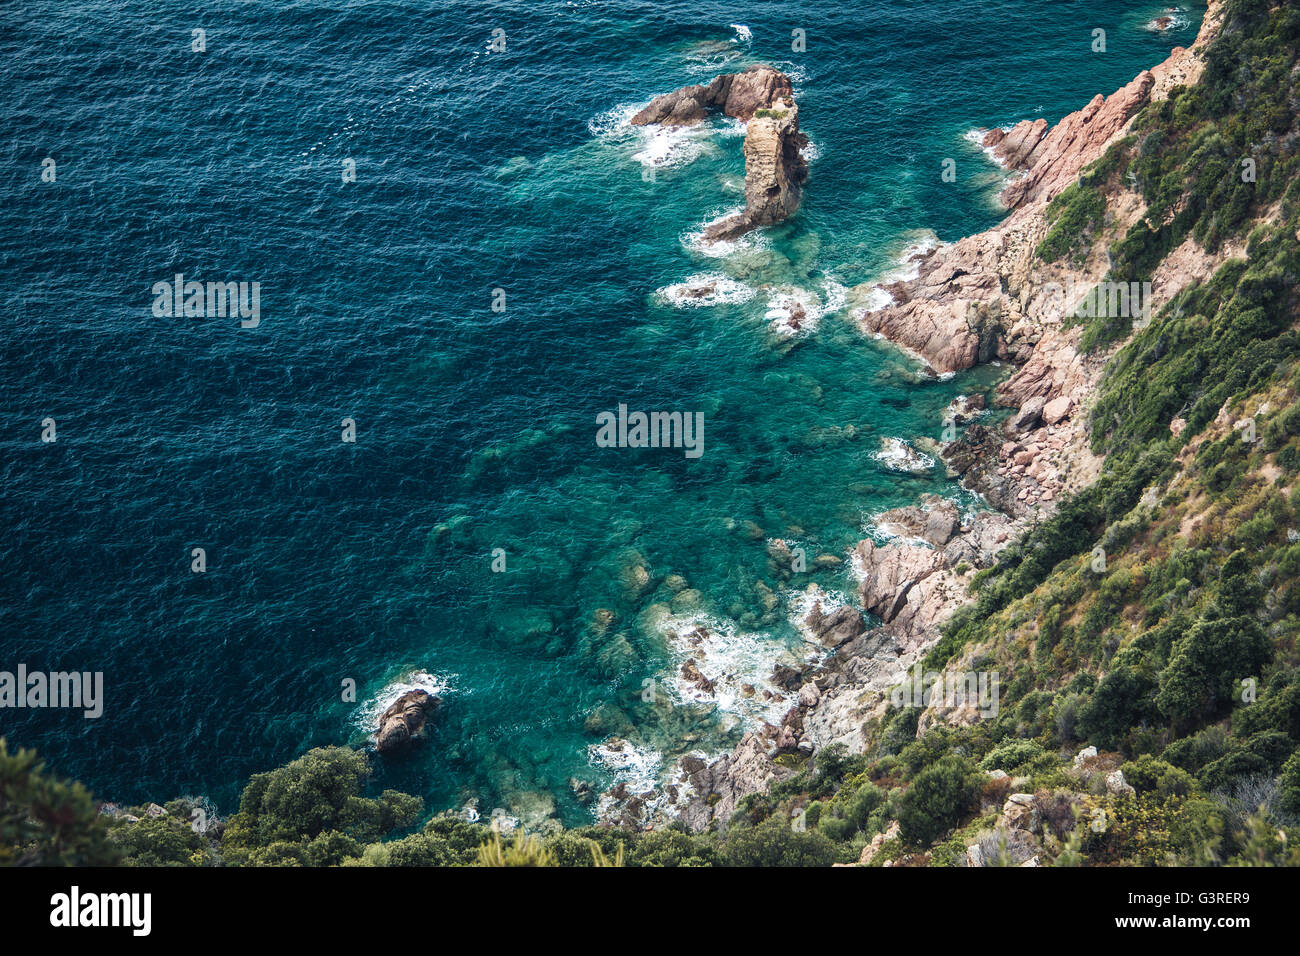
{"x":455,"y":253}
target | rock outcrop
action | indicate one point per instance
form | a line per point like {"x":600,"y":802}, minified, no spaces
{"x":987,"y":296}
{"x":405,"y":720}
{"x":837,"y":627}
{"x":739,"y":95}
{"x":775,"y":169}
{"x":889,"y":574}
{"x":935,"y":520}
{"x":1051,"y":159}
{"x":720,"y":786}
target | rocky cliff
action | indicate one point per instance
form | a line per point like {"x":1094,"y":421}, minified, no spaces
{"x":988,"y":296}
{"x":982,"y":298}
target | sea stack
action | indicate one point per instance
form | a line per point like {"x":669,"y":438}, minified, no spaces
{"x":763,"y":98}
{"x":404,"y":722}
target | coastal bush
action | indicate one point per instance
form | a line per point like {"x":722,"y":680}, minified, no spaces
{"x":925,"y":750}
{"x":416,"y":849}
{"x":1196,"y":751}
{"x":673,"y":848}
{"x":1205,"y":667}
{"x":454,"y":838}
{"x":319,"y":791}
{"x":1278,"y":707}
{"x":1135,"y":828}
{"x":331,"y":849}
{"x":774,"y":843}
{"x":1261,"y":755}
{"x":1013,"y":755}
{"x":46,"y":821}
{"x":899,"y":730}
{"x":1150,"y":774}
{"x":158,"y":841}
{"x":940,"y":795}
{"x":1074,"y":215}
{"x":1123,"y":698}
{"x":1289,"y":786}
{"x":1263,"y":843}
{"x":847,"y":814}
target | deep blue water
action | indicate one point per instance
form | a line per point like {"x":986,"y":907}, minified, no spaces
{"x":476,"y":170}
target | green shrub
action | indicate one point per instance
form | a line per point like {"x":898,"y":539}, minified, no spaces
{"x":45,"y":821}
{"x":1012,"y":755}
{"x":938,"y":798}
{"x":774,"y":843}
{"x":318,"y":792}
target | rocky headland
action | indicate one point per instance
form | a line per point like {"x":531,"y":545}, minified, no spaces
{"x":987,"y":297}
{"x":762,"y":97}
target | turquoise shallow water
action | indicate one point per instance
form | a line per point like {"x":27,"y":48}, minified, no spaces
{"x":476,"y":170}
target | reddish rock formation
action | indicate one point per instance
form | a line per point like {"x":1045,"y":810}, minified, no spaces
{"x":970,"y":301}
{"x":1052,"y":159}
{"x":736,"y":94}
{"x":775,"y":169}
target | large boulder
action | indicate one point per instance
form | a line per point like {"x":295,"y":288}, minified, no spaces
{"x":935,"y":520}
{"x":1058,"y":409}
{"x":739,"y":95}
{"x":1030,"y":415}
{"x":405,"y":720}
{"x":836,"y":628}
{"x":890,"y":572}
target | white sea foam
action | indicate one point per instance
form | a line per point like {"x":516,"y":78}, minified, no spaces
{"x":801,"y":604}
{"x":878,"y":298}
{"x":914,"y":253}
{"x":976,"y":136}
{"x":669,"y":147}
{"x":709,"y":288}
{"x":638,"y":766}
{"x":641,"y":772}
{"x":728,"y":127}
{"x":660,"y":147}
{"x":695,"y":242}
{"x":743,"y":33}
{"x":796,"y":311}
{"x":730,"y":660}
{"x":907,"y":266}
{"x":616,"y":119}
{"x":367,"y":715}
{"x":857,"y":569}
{"x":1177,"y":17}
{"x":882,"y":532}
{"x":896,"y":454}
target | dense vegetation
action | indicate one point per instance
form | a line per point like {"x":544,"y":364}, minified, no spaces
{"x":45,"y":821}
{"x":1154,"y":617}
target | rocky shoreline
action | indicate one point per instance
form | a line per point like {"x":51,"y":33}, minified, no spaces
{"x":987,"y":297}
